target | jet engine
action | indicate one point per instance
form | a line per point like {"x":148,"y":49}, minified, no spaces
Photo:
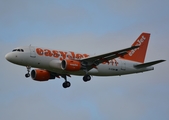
{"x":41,"y":75}
{"x":71,"y":65}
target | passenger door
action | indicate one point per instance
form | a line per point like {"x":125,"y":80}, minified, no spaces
{"x":32,"y":51}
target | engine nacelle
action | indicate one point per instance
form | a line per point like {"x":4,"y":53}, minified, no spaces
{"x":41,"y":75}
{"x":71,"y":65}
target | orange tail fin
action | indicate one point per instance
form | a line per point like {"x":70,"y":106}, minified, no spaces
{"x":139,"y":54}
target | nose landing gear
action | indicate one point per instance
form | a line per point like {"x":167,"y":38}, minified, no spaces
{"x":27,"y":75}
{"x":28,"y":69}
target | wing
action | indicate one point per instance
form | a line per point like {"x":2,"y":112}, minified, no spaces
{"x":93,"y":61}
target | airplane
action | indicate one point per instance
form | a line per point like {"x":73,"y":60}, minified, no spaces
{"x":51,"y":63}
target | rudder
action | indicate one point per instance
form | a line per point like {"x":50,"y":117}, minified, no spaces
{"x":138,"y":54}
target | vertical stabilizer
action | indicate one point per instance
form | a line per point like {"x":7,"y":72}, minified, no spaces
{"x":139,"y":54}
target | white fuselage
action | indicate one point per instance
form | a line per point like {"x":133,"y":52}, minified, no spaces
{"x":51,"y":60}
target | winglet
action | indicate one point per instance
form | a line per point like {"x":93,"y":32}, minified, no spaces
{"x":138,"y":54}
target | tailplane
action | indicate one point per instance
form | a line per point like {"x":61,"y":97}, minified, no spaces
{"x":138,"y":54}
{"x":148,"y":64}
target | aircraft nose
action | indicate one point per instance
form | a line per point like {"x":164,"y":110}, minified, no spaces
{"x":8,"y":57}
{"x":13,"y":58}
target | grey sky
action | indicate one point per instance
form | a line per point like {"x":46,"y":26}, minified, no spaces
{"x":92,"y":27}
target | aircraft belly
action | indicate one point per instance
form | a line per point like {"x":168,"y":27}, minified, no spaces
{"x":107,"y":70}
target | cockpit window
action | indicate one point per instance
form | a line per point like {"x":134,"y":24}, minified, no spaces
{"x":14,"y":50}
{"x":19,"y":50}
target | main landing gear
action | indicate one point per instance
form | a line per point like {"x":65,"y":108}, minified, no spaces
{"x":66,"y":84}
{"x":86,"y":78}
{"x":28,"y":69}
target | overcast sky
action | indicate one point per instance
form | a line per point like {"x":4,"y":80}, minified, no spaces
{"x":90,"y":26}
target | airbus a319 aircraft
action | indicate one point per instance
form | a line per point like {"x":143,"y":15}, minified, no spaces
{"x":51,"y":64}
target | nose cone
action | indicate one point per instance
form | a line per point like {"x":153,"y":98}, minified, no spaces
{"x":8,"y":57}
{"x":15,"y":58}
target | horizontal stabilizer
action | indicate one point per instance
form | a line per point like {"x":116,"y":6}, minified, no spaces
{"x":148,"y":64}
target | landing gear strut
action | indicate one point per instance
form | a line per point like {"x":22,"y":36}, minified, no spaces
{"x":28,"y":69}
{"x":66,"y":84}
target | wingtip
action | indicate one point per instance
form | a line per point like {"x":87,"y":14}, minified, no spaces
{"x":162,"y":60}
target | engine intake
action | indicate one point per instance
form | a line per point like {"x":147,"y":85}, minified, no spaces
{"x":71,"y":65}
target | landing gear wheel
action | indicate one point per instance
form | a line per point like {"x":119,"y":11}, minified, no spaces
{"x":86,"y":78}
{"x":66,"y":84}
{"x":27,"y":75}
